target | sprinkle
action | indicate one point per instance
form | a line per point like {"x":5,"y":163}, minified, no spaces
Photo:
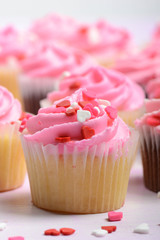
{"x":52,"y":232}
{"x":93,"y":111}
{"x":70,"y":111}
{"x":158,"y":195}
{"x":88,"y":95}
{"x":75,"y":85}
{"x":142,"y":228}
{"x":112,"y":112}
{"x":64,"y":103}
{"x":153,"y":121}
{"x":99,"y":233}
{"x":74,"y":105}
{"x":66,"y":74}
{"x":16,"y":238}
{"x":115,"y":216}
{"x":87,"y":132}
{"x":109,"y":229}
{"x":97,"y":110}
{"x":67,"y":231}
{"x":82,"y":104}
{"x":104,"y":102}
{"x":63,"y":139}
{"x":2,"y":226}
{"x":83,"y":115}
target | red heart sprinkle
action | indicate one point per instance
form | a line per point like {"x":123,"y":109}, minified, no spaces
{"x":82,"y":104}
{"x":63,"y":139}
{"x":112,"y":112}
{"x":88,"y":95}
{"x":153,"y":121}
{"x":75,"y":85}
{"x":64,"y":103}
{"x":67,"y":231}
{"x":87,"y":132}
{"x":70,"y":112}
{"x":109,"y":229}
{"x":52,"y":232}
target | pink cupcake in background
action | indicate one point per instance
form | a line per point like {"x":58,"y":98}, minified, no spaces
{"x":153,"y":88}
{"x":126,"y":96}
{"x":42,"y":71}
{"x":54,"y":27}
{"x":104,"y":42}
{"x":79,"y":158}
{"x":149,"y":129}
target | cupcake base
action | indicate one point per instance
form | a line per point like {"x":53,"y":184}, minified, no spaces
{"x":150,"y":150}
{"x":84,"y":182}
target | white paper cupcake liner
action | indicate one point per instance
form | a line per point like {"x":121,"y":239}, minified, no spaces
{"x":91,"y":181}
{"x":12,"y":163}
{"x":150,"y":150}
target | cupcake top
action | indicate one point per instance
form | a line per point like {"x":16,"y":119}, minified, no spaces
{"x":10,"y":108}
{"x":152,"y":116}
{"x":100,"y":38}
{"x":79,"y":120}
{"x":53,"y":60}
{"x":53,"y":27}
{"x":153,"y":88}
{"x":106,"y":84}
{"x":142,"y":67}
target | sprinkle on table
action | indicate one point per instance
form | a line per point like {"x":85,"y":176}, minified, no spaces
{"x":52,"y":232}
{"x":67,"y":231}
{"x":115,"y":216}
{"x":109,"y":229}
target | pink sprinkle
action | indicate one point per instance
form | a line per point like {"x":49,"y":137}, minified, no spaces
{"x":115,"y":216}
{"x":93,"y":111}
{"x":112,"y":112}
{"x":16,"y":238}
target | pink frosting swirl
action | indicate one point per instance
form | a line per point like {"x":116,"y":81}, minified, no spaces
{"x":10,"y":108}
{"x":54,"y":27}
{"x":153,"y":88}
{"x":51,"y":123}
{"x":53,"y":60}
{"x":142,"y":67}
{"x":106,"y":84}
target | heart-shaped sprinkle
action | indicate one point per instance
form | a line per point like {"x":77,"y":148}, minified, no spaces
{"x":109,"y":229}
{"x":104,"y":102}
{"x":88,"y":95}
{"x":64,"y":103}
{"x":142,"y":228}
{"x":93,"y":111}
{"x":99,"y":233}
{"x":16,"y":238}
{"x":115,"y":216}
{"x":83,"y":115}
{"x":87,"y":132}
{"x":75,"y":85}
{"x":2,"y":226}
{"x":75,"y":105}
{"x":52,"y":232}
{"x":63,"y":139}
{"x":67,"y":231}
{"x":70,"y":111}
{"x":112,"y":112}
{"x":153,"y":121}
{"x":82,"y":104}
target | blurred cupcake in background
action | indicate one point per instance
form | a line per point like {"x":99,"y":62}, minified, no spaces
{"x":104,"y":42}
{"x":149,"y":128}
{"x":12,"y":164}
{"x":153,"y":88}
{"x":42,"y":71}
{"x":127,"y":97}
{"x":79,"y":158}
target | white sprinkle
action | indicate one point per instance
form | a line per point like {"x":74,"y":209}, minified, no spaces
{"x":103,"y":106}
{"x":69,"y":108}
{"x":66,"y":74}
{"x":74,"y":104}
{"x":99,"y":233}
{"x":142,"y":229}
{"x":83,"y":115}
{"x":104,"y":102}
{"x":93,"y":35}
{"x":2,"y":226}
{"x":97,"y":109}
{"x":158,"y":195}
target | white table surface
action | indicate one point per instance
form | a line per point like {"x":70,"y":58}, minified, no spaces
{"x":24,"y":219}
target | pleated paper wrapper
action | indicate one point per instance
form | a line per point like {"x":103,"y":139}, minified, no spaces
{"x":92,"y":180}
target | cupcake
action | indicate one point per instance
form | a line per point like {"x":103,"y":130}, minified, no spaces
{"x":127,"y":97}
{"x":153,"y":88}
{"x":12,"y":163}
{"x":79,"y":155}
{"x":42,"y":71}
{"x":149,"y":128}
{"x":104,"y":42}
